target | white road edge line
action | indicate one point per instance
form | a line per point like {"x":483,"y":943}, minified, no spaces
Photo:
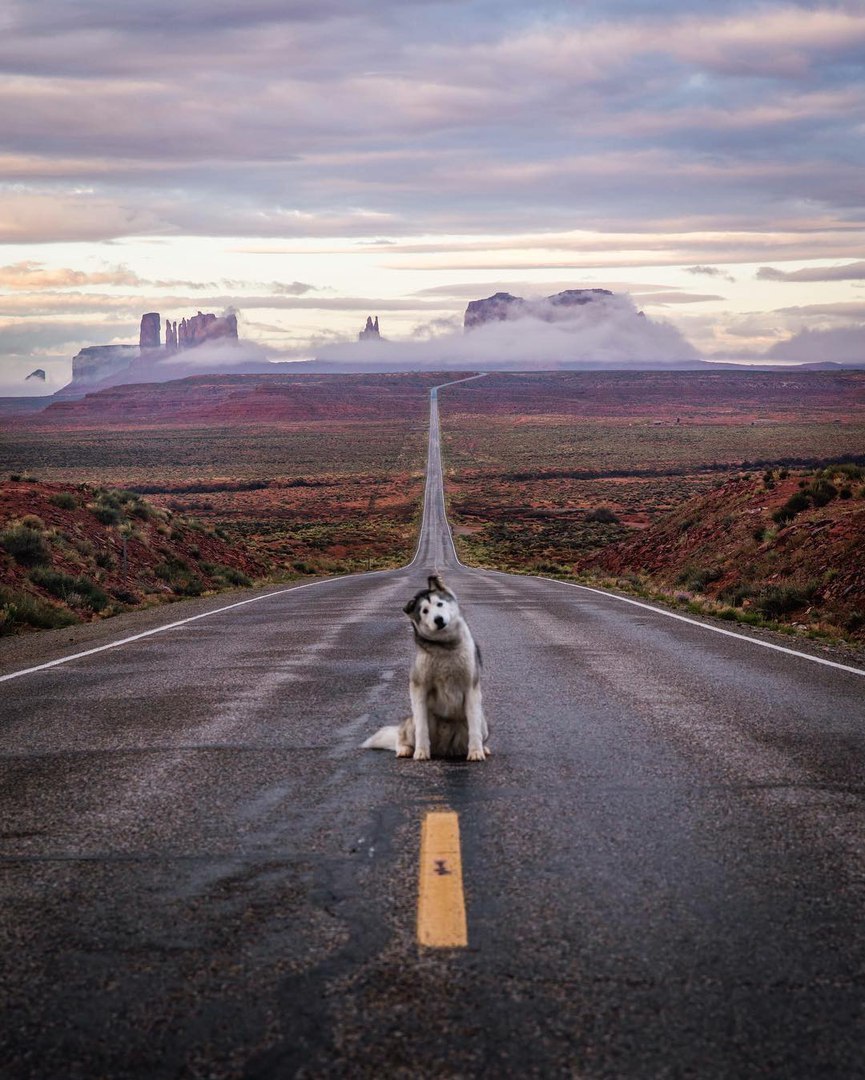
{"x":648,"y":607}
{"x":327,"y":581}
{"x":162,"y":629}
{"x":685,"y":619}
{"x":240,"y":603}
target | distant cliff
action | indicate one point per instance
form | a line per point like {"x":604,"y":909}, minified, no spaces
{"x":371,"y":331}
{"x":99,"y":366}
{"x":502,"y":305}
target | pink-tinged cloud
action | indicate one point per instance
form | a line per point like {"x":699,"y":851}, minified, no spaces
{"x":854,"y":271}
{"x":33,"y":275}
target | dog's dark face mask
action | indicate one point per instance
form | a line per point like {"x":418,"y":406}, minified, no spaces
{"x":433,"y":609}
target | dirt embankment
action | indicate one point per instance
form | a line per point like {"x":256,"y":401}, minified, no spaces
{"x":74,"y":553}
{"x":782,"y":546}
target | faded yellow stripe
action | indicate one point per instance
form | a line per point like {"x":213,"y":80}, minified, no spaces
{"x":441,"y":909}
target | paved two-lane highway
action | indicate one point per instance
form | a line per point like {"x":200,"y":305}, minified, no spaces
{"x":203,"y":876}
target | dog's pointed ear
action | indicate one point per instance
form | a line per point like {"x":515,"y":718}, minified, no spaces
{"x":436,"y":584}
{"x":410,"y":606}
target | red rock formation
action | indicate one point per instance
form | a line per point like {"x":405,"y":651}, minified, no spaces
{"x":149,"y":335}
{"x":503,"y":306}
{"x":206,"y":327}
{"x":494,"y":308}
{"x":370,"y":331}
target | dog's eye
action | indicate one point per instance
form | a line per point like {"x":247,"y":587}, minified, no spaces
{"x":439,"y":604}
{"x":424,"y":611}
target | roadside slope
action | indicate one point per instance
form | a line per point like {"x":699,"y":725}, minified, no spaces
{"x":782,"y":546}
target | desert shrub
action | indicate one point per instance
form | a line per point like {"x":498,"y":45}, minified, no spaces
{"x":15,"y":477}
{"x":793,"y":506}
{"x":736,"y":594}
{"x":604,"y":515}
{"x":54,"y":581}
{"x":697,"y":578}
{"x":822,"y":492}
{"x":125,"y":596}
{"x":854,"y":621}
{"x":778,"y":600}
{"x":32,"y":521}
{"x":64,"y":499}
{"x":783,"y":474}
{"x":758,"y":534}
{"x":234,"y":577}
{"x":106,"y":513}
{"x":141,"y":510}
{"x":91,"y":594}
{"x":172,"y":567}
{"x":549,"y":568}
{"x":728,"y":613}
{"x":845,"y":493}
{"x":26,"y":546}
{"x":19,"y":609}
{"x":106,"y":560}
{"x":188,"y":586}
{"x":75,"y":591}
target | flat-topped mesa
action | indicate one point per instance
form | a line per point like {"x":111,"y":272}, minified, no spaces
{"x":495,"y":308}
{"x":576,"y":297}
{"x":370,"y":331}
{"x":502,"y":306}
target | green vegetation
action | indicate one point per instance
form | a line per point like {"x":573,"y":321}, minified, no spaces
{"x":26,"y":545}
{"x":75,"y":591}
{"x":704,"y":492}
{"x":116,"y":507}
{"x":22,"y":610}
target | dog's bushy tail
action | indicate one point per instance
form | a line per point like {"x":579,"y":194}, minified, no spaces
{"x":384,"y":739}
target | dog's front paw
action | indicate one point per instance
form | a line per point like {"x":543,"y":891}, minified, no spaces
{"x":420,"y":754}
{"x":476,"y":754}
{"x":404,"y":751}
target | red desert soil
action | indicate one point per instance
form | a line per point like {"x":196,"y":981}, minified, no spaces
{"x":75,"y":553}
{"x":735,"y":545}
{"x":245,"y":399}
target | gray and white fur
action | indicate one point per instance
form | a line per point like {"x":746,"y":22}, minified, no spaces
{"x":447,"y":716}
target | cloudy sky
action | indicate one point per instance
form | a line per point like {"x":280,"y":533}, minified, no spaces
{"x":308,"y":162}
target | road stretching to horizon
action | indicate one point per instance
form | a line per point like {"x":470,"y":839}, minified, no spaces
{"x":204,"y":876}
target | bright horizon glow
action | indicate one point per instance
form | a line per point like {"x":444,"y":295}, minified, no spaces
{"x":309,"y":169}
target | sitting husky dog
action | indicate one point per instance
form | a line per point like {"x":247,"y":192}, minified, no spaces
{"x":447,"y":718}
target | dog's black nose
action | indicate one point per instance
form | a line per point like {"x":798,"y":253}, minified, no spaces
{"x":439,"y":621}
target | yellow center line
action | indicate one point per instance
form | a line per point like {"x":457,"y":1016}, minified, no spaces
{"x":441,"y":909}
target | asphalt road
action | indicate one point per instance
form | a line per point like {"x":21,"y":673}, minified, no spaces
{"x":203,"y":876}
